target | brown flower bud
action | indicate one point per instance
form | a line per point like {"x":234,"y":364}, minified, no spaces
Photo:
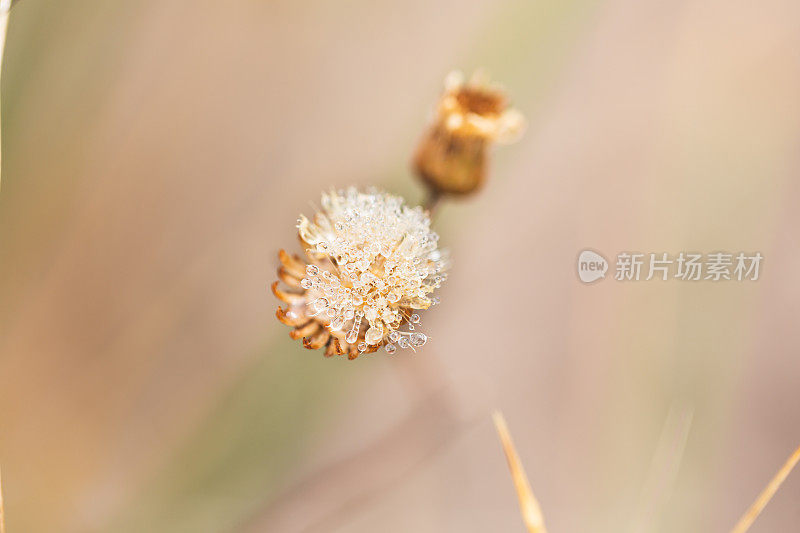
{"x":452,"y":156}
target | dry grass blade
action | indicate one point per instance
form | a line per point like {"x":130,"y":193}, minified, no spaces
{"x":769,"y":491}
{"x":531,"y":512}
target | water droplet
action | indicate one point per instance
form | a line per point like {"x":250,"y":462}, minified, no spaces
{"x":415,"y":318}
{"x":373,"y":335}
{"x":390,"y":348}
{"x":362,"y":346}
{"x":393,"y":336}
{"x":320,"y":304}
{"x":312,"y":270}
{"x":418,"y":339}
{"x":306,"y":283}
{"x":352,"y":336}
{"x":403,"y":342}
{"x":331,"y":312}
{"x":337,"y":323}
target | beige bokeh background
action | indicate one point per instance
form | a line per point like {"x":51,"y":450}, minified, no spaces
{"x":156,"y":155}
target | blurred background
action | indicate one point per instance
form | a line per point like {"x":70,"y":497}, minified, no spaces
{"x":156,"y":155}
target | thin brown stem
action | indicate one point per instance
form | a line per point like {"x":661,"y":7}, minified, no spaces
{"x":432,"y":202}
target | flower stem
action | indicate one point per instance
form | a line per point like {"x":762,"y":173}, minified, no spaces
{"x":432,"y":202}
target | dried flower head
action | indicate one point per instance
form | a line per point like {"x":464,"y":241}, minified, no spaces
{"x":452,"y":156}
{"x":372,"y":263}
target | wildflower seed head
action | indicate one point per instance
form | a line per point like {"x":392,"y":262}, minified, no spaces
{"x":373,"y":263}
{"x":451,"y":158}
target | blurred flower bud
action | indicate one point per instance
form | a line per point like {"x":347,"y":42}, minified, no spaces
{"x":452,"y":156}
